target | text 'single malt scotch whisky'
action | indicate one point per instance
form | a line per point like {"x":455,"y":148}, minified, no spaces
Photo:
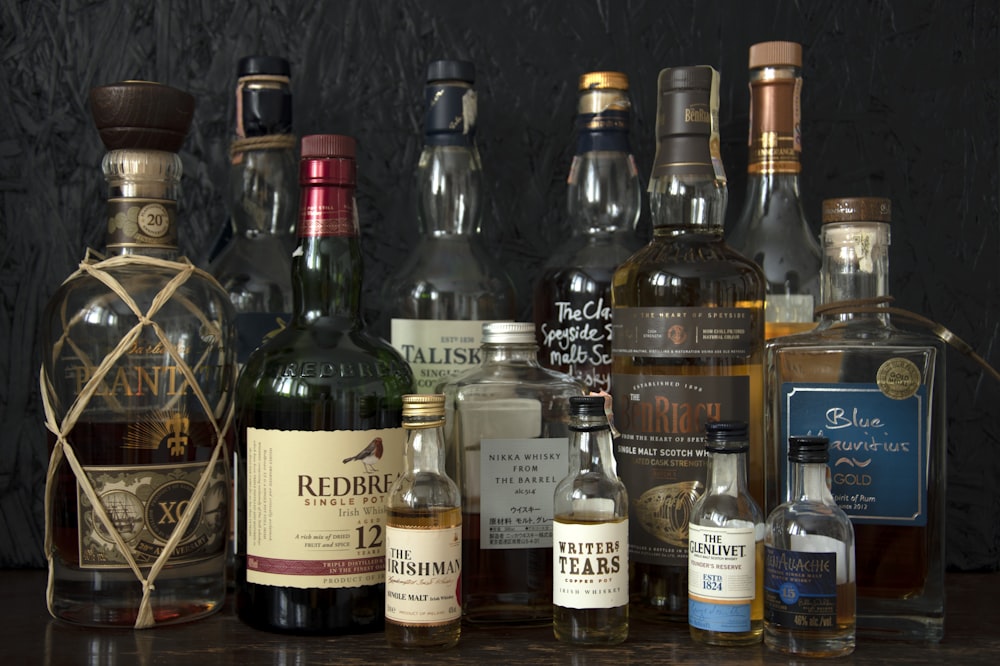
{"x":878,"y":393}
{"x":320,"y":441}
{"x":687,"y":342}
{"x":139,"y":365}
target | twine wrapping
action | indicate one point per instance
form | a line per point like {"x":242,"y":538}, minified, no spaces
{"x":265,"y":142}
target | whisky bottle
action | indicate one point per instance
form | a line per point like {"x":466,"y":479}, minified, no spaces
{"x":138,"y":370}
{"x":449,"y":284}
{"x":507,"y":436}
{"x":423,"y":537}
{"x":878,"y":393}
{"x":320,"y":442}
{"x":590,"y":535}
{"x":255,"y":265}
{"x":687,"y":343}
{"x":726,"y":545}
{"x":772,"y":228}
{"x":809,"y":567}
{"x":572,"y":297}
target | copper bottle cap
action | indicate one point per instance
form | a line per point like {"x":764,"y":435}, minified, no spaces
{"x":776,"y":54}
{"x":601,"y":80}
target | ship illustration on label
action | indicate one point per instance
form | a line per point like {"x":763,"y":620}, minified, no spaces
{"x":664,"y":511}
{"x":369,"y":455}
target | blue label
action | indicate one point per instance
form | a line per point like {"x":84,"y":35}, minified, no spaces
{"x":719,"y":617}
{"x":878,"y":448}
{"x":800,"y":589}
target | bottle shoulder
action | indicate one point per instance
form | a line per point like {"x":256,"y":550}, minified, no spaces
{"x":504,"y":380}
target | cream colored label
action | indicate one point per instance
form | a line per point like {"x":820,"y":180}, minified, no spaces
{"x":316,"y":505}
{"x":437,"y":349}
{"x":721,"y":563}
{"x":422,"y":575}
{"x":590,"y":564}
{"x":898,"y":378}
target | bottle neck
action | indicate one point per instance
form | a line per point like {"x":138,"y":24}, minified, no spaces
{"x":520,"y":353}
{"x":727,"y":474}
{"x":855,"y":265}
{"x":808,"y":483}
{"x":425,"y":448}
{"x":590,"y":446}
{"x":686,"y":204}
{"x":449,"y":186}
{"x":262,"y":191}
{"x":143,"y":188}
{"x":775,"y":142}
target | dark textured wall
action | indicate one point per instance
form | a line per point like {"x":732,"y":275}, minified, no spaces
{"x":900,"y":100}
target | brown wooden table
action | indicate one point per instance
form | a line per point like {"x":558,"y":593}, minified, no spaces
{"x":29,"y":636}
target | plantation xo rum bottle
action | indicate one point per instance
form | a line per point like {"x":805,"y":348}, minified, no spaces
{"x":508,"y":432}
{"x":687,"y":343}
{"x":572,"y":298}
{"x":320,"y":440}
{"x":772,"y":228}
{"x":423,"y":539}
{"x":450,"y":284}
{"x":139,"y":365}
{"x":878,"y":394}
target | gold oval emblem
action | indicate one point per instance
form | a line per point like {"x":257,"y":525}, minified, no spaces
{"x":898,"y":378}
{"x":664,"y":511}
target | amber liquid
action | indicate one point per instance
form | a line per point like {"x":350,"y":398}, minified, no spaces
{"x":443,"y":635}
{"x":835,"y":642}
{"x":776,"y":329}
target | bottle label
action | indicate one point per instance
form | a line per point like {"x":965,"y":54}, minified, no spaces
{"x":423,"y":575}
{"x":518,"y":478}
{"x":590,"y":564}
{"x":316,"y":505}
{"x":254,"y":328}
{"x":722,"y":580}
{"x":148,"y":223}
{"x":451,"y":114}
{"x":683,"y":331}
{"x":775,"y":126}
{"x":437,"y":349}
{"x":800,"y":589}
{"x":878,"y":446}
{"x":576,"y":340}
{"x":661,"y":452}
{"x":605,"y":131}
{"x":145,"y":503}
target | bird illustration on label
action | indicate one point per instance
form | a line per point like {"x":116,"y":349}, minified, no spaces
{"x":368,"y":456}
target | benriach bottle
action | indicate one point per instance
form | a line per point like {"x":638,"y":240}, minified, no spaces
{"x":726,"y":545}
{"x":320,"y":442}
{"x":423,"y":538}
{"x":450,"y":283}
{"x":687,"y":343}
{"x":138,"y":370}
{"x":572,"y":297}
{"x":772,"y":229}
{"x":809,"y":567}
{"x":590,"y":535}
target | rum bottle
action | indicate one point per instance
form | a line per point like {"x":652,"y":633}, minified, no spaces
{"x":423,"y":537}
{"x":772,"y":228}
{"x":809,"y":568}
{"x":572,"y":297}
{"x":590,"y":535}
{"x":687,"y":343}
{"x":320,"y":442}
{"x":878,"y":393}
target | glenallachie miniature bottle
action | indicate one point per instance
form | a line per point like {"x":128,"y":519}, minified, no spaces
{"x":809,"y":570}
{"x":255,"y":265}
{"x":507,"y":428}
{"x":878,"y":393}
{"x":320,"y":441}
{"x":449,"y":284}
{"x":687,"y":342}
{"x":423,"y":537}
{"x":772,"y":228}
{"x":590,"y":535}
{"x":726,"y":545}
{"x":572,"y":297}
{"x":138,"y":370}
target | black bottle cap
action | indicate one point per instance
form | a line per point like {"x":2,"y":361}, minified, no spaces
{"x":686,"y":114}
{"x":266,"y":108}
{"x":586,"y":405}
{"x":808,"y":449}
{"x":726,"y":437}
{"x":451,"y":70}
{"x":257,"y":64}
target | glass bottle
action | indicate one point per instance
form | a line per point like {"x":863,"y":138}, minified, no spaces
{"x":320,"y":441}
{"x":590,"y":535}
{"x":507,"y":440}
{"x":139,"y":365}
{"x":878,"y":393}
{"x":572,"y":297}
{"x":772,"y":228}
{"x":687,"y":343}
{"x":423,"y":538}
{"x":449,"y":284}
{"x":726,"y":545}
{"x":255,"y":265}
{"x":809,"y":570}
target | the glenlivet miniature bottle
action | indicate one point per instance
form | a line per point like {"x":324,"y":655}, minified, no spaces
{"x":687,"y":342}
{"x":423,"y":538}
{"x":572,"y":297}
{"x":590,"y":535}
{"x":726,"y":545}
{"x":320,"y":438}
{"x":138,"y":371}
{"x":809,"y":571}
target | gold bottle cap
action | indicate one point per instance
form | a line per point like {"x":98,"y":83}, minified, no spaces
{"x":423,"y":404}
{"x":601,"y":80}
{"x":857,"y":209}
{"x":776,"y":54}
